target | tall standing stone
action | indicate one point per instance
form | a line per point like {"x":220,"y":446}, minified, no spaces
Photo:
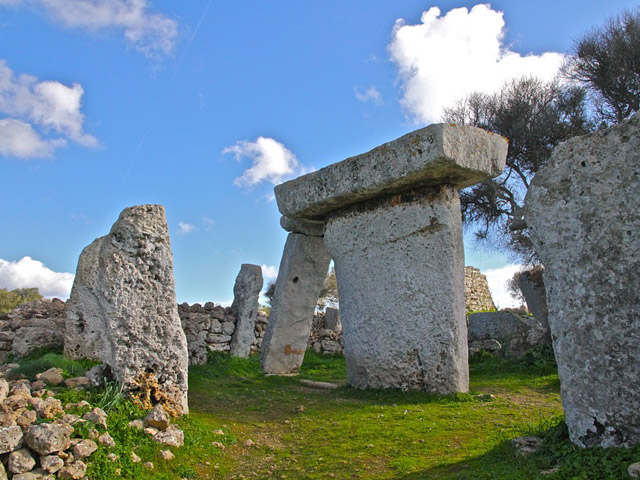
{"x":246,"y":293}
{"x":303,"y":267}
{"x":583,"y":213}
{"x":393,"y":228}
{"x":123,"y":310}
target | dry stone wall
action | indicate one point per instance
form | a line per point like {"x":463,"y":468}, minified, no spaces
{"x":31,"y":326}
{"x":211,"y":327}
{"x":476,"y":291}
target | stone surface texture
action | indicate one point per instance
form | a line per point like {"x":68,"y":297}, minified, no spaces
{"x":531,"y":285}
{"x":477,"y":296}
{"x":399,"y":331}
{"x":210,"y":327}
{"x":122,"y":308}
{"x":583,"y":213}
{"x":303,"y":267}
{"x":516,"y":334}
{"x":31,"y":326}
{"x":245,"y":304}
{"x":440,"y":154}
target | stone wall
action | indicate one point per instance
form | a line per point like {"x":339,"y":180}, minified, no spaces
{"x":476,"y":291}
{"x":324,"y":340}
{"x":31,"y":326}
{"x":210,"y":327}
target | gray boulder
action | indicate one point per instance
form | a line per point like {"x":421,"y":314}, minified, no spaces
{"x":245,"y":304}
{"x":532,"y":287}
{"x":517,"y":334}
{"x":123,"y":308}
{"x":583,"y":213}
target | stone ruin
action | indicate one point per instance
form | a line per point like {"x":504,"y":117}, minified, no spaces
{"x":246,"y":293}
{"x":211,"y":328}
{"x":390,"y":219}
{"x":32,"y":326}
{"x":123,"y":311}
{"x":583,"y":214}
{"x":476,"y":291}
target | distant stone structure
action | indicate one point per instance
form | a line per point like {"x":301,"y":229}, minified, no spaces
{"x":123,"y":310}
{"x":31,"y":326}
{"x":531,"y":285}
{"x":476,"y":291}
{"x":391,"y":222}
{"x":515,"y":334}
{"x":583,"y":213}
{"x":246,"y":292}
{"x":211,"y":327}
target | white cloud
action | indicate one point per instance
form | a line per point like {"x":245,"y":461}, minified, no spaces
{"x":30,"y":273}
{"x":443,"y":59}
{"x":271,"y":162}
{"x":371,"y":94}
{"x":42,"y":116}
{"x":153,"y":34}
{"x":208,"y":223}
{"x":184,"y":228}
{"x":269,"y":272}
{"x":497,"y":279}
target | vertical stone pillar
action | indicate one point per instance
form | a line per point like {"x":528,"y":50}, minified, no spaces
{"x":583,"y":214}
{"x":400,"y":270}
{"x":304,"y":265}
{"x":246,"y":293}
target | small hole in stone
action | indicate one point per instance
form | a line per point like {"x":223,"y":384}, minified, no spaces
{"x":295,"y":279}
{"x":584,"y":164}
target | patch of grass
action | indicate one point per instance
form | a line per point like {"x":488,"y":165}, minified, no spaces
{"x":299,"y":432}
{"x":46,"y":358}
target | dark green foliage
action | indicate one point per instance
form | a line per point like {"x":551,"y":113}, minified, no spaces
{"x":607,"y":62}
{"x":11,"y":299}
{"x":534,"y":116}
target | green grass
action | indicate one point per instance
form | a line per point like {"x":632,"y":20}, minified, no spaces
{"x":46,"y":358}
{"x":307,"y":433}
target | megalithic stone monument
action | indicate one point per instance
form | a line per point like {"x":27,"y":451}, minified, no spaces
{"x":583,"y":213}
{"x":246,"y":293}
{"x":304,"y":264}
{"x":393,"y":228}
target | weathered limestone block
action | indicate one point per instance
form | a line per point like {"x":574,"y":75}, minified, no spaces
{"x":583,"y":213}
{"x":517,"y":334}
{"x":122,"y":308}
{"x":245,"y":304}
{"x":532,"y":287}
{"x":304,"y":264}
{"x":398,"y":330}
{"x":393,"y":228}
{"x":332,"y":319}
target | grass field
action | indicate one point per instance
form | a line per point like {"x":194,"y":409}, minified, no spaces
{"x":243,"y":425}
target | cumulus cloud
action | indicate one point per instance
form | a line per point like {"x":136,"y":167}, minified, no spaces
{"x":184,"y":228}
{"x":30,"y":273}
{"x":269,"y":272}
{"x":445,"y":58}
{"x":42,"y":115}
{"x":497,"y":279}
{"x":271,"y":161}
{"x":153,"y":34}
{"x":371,"y":94}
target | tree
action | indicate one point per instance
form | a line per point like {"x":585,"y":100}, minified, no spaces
{"x":534,"y":116}
{"x":11,"y":299}
{"x":270,"y":292}
{"x":606,"y":62}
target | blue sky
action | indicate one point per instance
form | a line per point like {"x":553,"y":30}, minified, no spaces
{"x":203,"y":106}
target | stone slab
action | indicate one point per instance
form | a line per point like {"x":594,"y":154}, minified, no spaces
{"x":400,"y":272}
{"x":583,"y":213}
{"x":246,"y":293}
{"x":303,"y":267}
{"x":455,"y":155}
